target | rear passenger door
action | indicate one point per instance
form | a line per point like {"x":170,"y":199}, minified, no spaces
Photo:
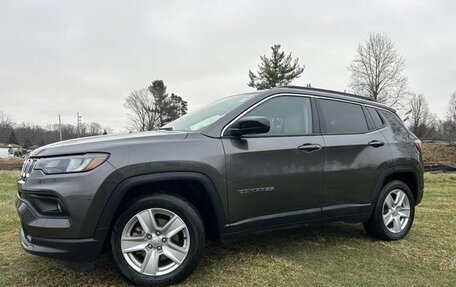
{"x":356,"y":154}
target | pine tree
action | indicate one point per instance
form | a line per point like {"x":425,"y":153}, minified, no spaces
{"x":159,"y":95}
{"x":278,"y":70}
{"x":166,"y":108}
{"x":176,"y":108}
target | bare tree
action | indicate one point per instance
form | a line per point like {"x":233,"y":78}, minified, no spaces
{"x":451,"y":109}
{"x":95,"y":129}
{"x":5,"y":120}
{"x":6,"y":127}
{"x":140,"y":105}
{"x":449,"y":126}
{"x":421,"y":119}
{"x":377,"y":71}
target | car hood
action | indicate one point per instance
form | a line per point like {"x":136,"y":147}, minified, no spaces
{"x":105,"y":142}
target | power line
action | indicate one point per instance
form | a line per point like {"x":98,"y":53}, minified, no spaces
{"x":79,"y":122}
{"x":60,"y":128}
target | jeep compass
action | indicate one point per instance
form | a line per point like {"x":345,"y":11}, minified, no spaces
{"x":269,"y":159}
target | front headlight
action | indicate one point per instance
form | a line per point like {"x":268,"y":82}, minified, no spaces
{"x":68,"y":164}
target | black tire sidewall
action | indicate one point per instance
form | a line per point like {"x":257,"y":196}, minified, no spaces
{"x":384,"y":232}
{"x":196,"y":232}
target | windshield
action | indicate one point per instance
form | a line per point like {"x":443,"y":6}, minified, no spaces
{"x":208,"y":114}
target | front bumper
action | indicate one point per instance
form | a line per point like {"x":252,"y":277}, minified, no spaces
{"x":74,"y":250}
{"x":77,"y":250}
{"x":67,"y":230}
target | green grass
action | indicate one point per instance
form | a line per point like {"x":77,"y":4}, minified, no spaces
{"x":336,"y":254}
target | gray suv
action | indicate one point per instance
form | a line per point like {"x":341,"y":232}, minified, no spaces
{"x":269,"y":159}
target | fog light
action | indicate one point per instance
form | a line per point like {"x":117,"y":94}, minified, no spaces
{"x":47,"y":204}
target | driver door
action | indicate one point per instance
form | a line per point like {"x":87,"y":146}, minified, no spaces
{"x":278,"y":175}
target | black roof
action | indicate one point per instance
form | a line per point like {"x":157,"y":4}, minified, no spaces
{"x":336,"y":94}
{"x":327,"y":91}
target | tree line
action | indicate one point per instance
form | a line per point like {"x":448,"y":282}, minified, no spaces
{"x":424,"y":124}
{"x":29,"y":135}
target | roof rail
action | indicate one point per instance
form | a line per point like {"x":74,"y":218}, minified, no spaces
{"x":327,"y":91}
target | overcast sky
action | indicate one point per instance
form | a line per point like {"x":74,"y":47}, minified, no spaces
{"x":63,"y":57}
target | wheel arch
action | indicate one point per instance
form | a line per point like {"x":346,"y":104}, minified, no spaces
{"x":407,"y":174}
{"x":201,"y":193}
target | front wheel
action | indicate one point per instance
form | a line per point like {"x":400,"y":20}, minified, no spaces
{"x":393,"y":214}
{"x":158,"y":240}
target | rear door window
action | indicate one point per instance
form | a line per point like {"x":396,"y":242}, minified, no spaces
{"x":342,"y":117}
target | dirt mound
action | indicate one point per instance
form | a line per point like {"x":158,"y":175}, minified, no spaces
{"x":438,"y":154}
{"x":11,"y":163}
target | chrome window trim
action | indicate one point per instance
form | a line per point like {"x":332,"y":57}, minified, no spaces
{"x":377,"y":107}
{"x":294,"y":95}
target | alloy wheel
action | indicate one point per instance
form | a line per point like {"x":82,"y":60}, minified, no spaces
{"x":155,"y":242}
{"x":396,"y":211}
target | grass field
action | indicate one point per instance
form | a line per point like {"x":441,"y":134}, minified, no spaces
{"x":336,"y":254}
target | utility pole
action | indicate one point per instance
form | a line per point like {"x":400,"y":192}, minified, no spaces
{"x":60,"y":128}
{"x":78,"y":123}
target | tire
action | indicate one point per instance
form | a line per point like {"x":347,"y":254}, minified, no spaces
{"x":398,"y":223}
{"x":170,"y":260}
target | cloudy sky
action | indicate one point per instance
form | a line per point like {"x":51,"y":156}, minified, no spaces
{"x":63,"y":57}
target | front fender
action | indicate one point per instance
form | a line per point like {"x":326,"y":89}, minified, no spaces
{"x":121,"y":190}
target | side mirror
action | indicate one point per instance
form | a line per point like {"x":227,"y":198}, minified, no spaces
{"x":250,"y":125}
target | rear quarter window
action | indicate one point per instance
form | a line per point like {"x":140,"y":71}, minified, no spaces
{"x":378,"y":121}
{"x":342,"y":117}
{"x":397,"y":125}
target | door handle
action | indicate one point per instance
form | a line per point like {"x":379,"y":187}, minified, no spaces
{"x":376,"y":143}
{"x":308,"y":147}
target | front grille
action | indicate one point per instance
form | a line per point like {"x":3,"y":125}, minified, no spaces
{"x":27,"y":168}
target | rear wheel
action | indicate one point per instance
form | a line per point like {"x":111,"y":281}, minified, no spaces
{"x":394,"y":212}
{"x":158,"y":240}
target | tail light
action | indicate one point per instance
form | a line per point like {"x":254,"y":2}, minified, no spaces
{"x":419,"y":145}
